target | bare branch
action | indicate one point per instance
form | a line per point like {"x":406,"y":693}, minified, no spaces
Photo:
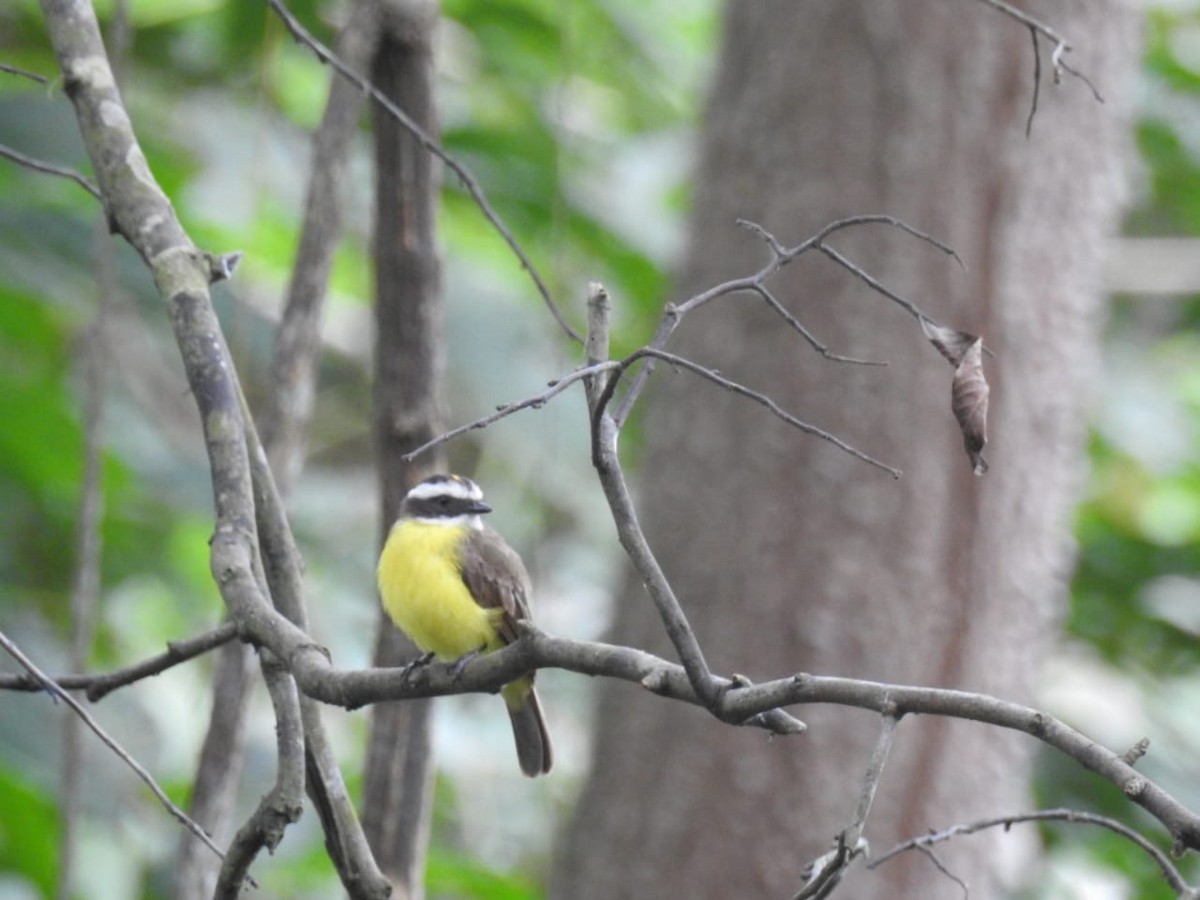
{"x":1061,"y":46}
{"x":872,"y":283}
{"x":1172,"y":874}
{"x":537,"y":401}
{"x":879,"y":758}
{"x":941,"y":867}
{"x":282,"y":805}
{"x":50,"y":169}
{"x":795,"y":323}
{"x":1037,"y":80}
{"x":607,"y":463}
{"x":24,"y":73}
{"x":465,"y":177}
{"x":780,"y":256}
{"x":99,"y":685}
{"x":823,"y":874}
{"x":58,"y":693}
{"x":729,"y":385}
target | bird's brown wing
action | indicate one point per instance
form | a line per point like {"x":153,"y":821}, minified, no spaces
{"x":496,"y":578}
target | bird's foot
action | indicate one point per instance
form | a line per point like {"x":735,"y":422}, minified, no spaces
{"x":456,"y":668}
{"x":412,"y":665}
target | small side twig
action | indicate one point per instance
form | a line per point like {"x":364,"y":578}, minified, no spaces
{"x":741,"y":390}
{"x":537,"y":401}
{"x":1037,"y":80}
{"x":797,"y":326}
{"x":1061,"y":46}
{"x":823,"y":874}
{"x":23,"y":73}
{"x":50,"y":169}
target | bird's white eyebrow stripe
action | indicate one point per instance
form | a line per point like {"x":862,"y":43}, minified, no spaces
{"x":461,"y":488}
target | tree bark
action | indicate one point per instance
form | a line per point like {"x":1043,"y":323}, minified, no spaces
{"x":398,"y":780}
{"x":788,"y":554}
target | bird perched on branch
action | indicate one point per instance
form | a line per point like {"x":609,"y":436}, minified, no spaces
{"x":454,"y":586}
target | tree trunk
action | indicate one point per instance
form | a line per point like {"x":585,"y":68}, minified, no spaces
{"x":398,"y":779}
{"x":788,"y":554}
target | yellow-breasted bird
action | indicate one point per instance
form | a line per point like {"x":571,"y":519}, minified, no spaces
{"x":454,"y":586}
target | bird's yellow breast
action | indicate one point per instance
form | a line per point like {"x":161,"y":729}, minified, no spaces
{"x":421,"y":586}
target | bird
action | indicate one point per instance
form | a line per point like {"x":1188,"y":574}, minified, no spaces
{"x":457,"y":589}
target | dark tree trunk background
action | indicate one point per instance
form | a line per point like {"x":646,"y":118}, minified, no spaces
{"x":791,"y":556}
{"x":398,"y":781}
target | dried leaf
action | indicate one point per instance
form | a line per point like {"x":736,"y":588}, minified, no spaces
{"x":969,"y":401}
{"x":969,"y":391}
{"x":950,"y":343}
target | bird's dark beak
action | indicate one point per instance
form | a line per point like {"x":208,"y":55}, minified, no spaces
{"x":478,"y":507}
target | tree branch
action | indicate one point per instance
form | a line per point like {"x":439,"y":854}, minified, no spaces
{"x":50,"y":169}
{"x":282,"y":805}
{"x":24,"y":73}
{"x":58,"y":693}
{"x":780,"y":256}
{"x":1172,"y":874}
{"x":464,"y":175}
{"x":99,"y":685}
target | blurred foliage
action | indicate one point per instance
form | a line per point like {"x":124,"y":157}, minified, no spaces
{"x":1135,"y":616}
{"x":576,"y":117}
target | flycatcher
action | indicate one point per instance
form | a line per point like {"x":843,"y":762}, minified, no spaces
{"x":454,"y":586}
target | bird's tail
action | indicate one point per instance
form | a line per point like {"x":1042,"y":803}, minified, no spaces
{"x":529,"y":727}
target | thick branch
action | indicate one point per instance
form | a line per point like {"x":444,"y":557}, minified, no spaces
{"x":282,"y":805}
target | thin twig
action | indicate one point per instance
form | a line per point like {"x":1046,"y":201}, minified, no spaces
{"x":537,"y":401}
{"x":465,"y":177}
{"x":740,"y":389}
{"x":1037,"y":80}
{"x":769,"y":298}
{"x":1073,"y":71}
{"x":1061,"y":46}
{"x":780,"y":256}
{"x":941,"y":867}
{"x":1173,"y":876}
{"x":824,"y":872}
{"x":51,"y":169}
{"x":872,"y":283}
{"x":1025,"y":19}
{"x":850,"y":222}
{"x":879,"y":758}
{"x":24,"y":73}
{"x":59,"y":693}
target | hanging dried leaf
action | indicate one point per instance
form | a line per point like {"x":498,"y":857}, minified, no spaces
{"x":969,"y":391}
{"x":969,"y":400}
{"x":950,"y":343}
